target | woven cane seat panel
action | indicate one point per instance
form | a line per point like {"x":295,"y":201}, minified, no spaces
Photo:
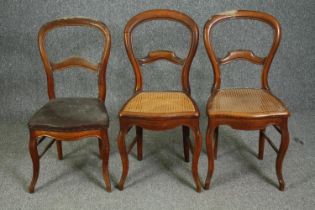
{"x":245,"y":102}
{"x":159,"y":103}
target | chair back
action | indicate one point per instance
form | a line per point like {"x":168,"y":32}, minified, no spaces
{"x":99,"y":68}
{"x":161,"y":14}
{"x":241,"y":54}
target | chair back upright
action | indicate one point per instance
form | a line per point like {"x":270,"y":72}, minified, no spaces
{"x":161,"y":14}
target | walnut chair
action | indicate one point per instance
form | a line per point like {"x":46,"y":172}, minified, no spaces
{"x":70,"y":119}
{"x":245,"y":108}
{"x":160,"y":110}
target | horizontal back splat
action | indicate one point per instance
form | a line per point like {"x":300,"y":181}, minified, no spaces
{"x":242,"y":55}
{"x":161,"y":54}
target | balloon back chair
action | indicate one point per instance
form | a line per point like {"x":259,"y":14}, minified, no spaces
{"x":245,"y":108}
{"x":68,"y":119}
{"x":162,"y":110}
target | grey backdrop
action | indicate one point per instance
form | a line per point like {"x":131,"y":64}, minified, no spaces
{"x":162,"y":180}
{"x":23,"y":82}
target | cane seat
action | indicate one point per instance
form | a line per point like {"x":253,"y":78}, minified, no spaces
{"x":246,"y":102}
{"x":160,"y":103}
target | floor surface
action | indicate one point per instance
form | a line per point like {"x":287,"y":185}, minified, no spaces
{"x":162,"y":180}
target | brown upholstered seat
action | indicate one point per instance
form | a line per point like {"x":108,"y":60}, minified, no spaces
{"x":246,"y":102}
{"x":159,"y":104}
{"x":64,"y":114}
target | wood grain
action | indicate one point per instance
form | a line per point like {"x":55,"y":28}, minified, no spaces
{"x":245,"y":109}
{"x":100,"y":68}
{"x":153,"y":120}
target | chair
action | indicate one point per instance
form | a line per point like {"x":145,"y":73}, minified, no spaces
{"x":68,"y":119}
{"x":160,"y":110}
{"x":245,"y":108}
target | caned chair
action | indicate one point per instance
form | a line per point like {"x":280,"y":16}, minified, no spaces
{"x":245,"y":108}
{"x":155,"y":110}
{"x":68,"y":119}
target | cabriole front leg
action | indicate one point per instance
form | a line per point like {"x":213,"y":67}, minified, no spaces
{"x":282,"y":151}
{"x":197,"y":150}
{"x":105,"y":157}
{"x":35,"y":159}
{"x":210,"y":153}
{"x":124,"y":157}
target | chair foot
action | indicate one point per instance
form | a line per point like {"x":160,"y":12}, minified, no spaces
{"x":31,"y":189}
{"x":108,"y":189}
{"x":120,"y":186}
{"x":198,"y":189}
{"x":35,"y":159}
{"x":281,"y":186}
{"x":208,"y":181}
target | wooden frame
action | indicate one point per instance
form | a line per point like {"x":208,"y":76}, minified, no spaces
{"x":159,"y":122}
{"x":72,"y":135}
{"x":244,"y":121}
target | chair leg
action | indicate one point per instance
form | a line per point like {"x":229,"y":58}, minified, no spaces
{"x":282,"y":151}
{"x":261,"y":144}
{"x":123,"y":156}
{"x":100,"y":145}
{"x":35,"y":159}
{"x":59,"y":149}
{"x":139,"y":133}
{"x":186,"y":143}
{"x":210,"y":153}
{"x":105,"y":157}
{"x":197,"y":150}
{"x":216,"y":142}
